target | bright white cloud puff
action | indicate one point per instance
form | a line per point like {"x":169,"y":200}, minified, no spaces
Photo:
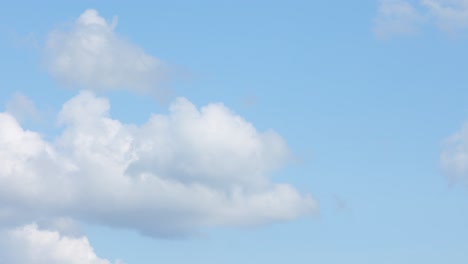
{"x":396,"y":17}
{"x":31,"y":245}
{"x":173,"y":175}
{"x":91,"y":55}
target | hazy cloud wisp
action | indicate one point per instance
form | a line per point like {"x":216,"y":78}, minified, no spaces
{"x":396,"y":17}
{"x":403,"y":17}
{"x":91,"y":55}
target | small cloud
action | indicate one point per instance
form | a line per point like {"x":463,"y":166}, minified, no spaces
{"x":92,"y":56}
{"x":396,"y":17}
{"x":403,"y":17}
{"x":450,"y":15}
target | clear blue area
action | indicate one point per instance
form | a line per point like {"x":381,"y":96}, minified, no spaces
{"x":365,"y":116}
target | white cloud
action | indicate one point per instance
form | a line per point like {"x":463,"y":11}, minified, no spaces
{"x":396,"y":17}
{"x":93,"y":56}
{"x":30,"y":245}
{"x":173,"y":175}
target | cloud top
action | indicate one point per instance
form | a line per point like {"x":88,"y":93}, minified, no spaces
{"x":29,"y":244}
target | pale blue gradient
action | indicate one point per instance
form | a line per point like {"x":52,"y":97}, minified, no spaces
{"x":365,"y":117}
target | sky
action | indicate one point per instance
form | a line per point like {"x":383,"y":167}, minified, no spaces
{"x":233,"y":132}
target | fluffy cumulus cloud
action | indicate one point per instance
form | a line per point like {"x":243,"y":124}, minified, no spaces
{"x":92,"y":55}
{"x":396,"y":17}
{"x":454,"y":157}
{"x":30,"y":245}
{"x":173,"y":175}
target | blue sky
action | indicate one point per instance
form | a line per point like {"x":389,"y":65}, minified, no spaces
{"x":234,"y":132}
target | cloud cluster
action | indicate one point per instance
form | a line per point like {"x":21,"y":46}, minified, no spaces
{"x":91,"y":55}
{"x":173,"y":175}
{"x":396,"y":17}
{"x":31,"y":245}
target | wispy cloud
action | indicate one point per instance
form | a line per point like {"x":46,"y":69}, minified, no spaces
{"x":450,"y":15}
{"x":403,"y":17}
{"x":91,"y":55}
{"x":396,"y":17}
